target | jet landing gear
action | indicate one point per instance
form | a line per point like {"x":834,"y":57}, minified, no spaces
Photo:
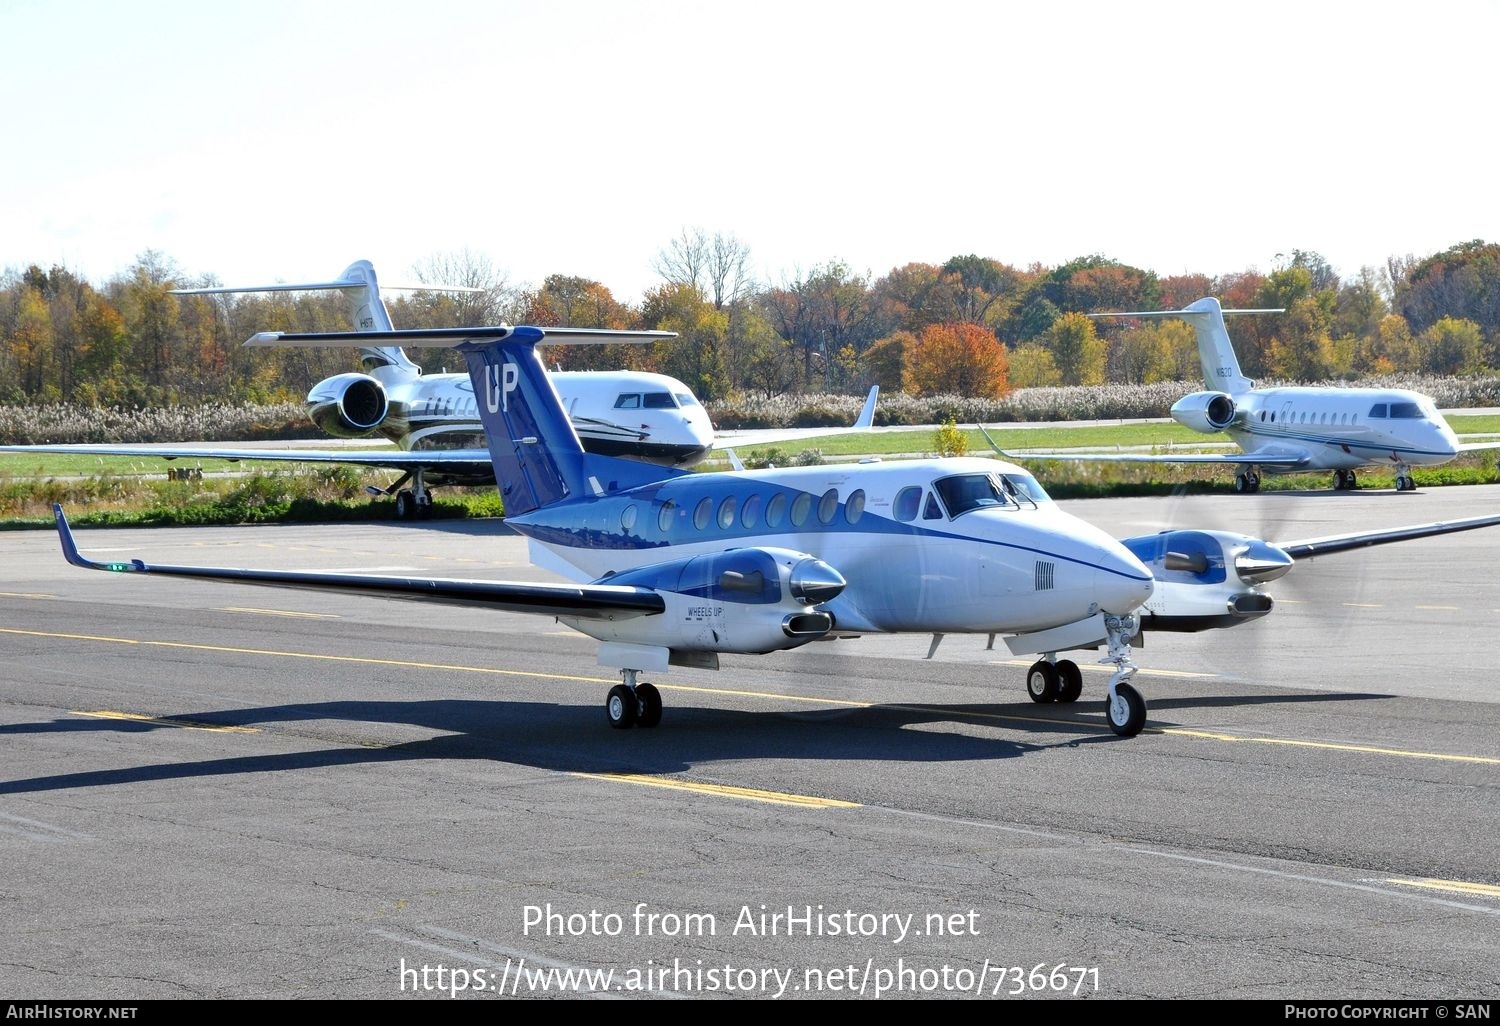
{"x":1344,"y":481}
{"x":414,"y":503}
{"x":1247,"y":482}
{"x":1054,"y":680}
{"x":1124,"y":707}
{"x":632,"y":705}
{"x":1404,"y":481}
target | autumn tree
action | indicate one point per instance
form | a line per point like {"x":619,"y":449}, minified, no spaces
{"x":1301,"y":349}
{"x":1451,"y":346}
{"x":1077,"y":349}
{"x":956,"y":359}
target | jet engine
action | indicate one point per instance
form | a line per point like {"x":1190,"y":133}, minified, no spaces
{"x":348,"y":405}
{"x":1205,"y":411}
{"x":1206,"y":579}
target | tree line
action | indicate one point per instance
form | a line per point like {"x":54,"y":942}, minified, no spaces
{"x":972,"y":326}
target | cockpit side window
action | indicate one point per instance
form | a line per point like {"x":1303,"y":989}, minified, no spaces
{"x":1406,"y":411}
{"x":932,"y":511}
{"x":686,"y":399}
{"x":628,"y":401}
{"x":660,"y":401}
{"x":1378,"y":411}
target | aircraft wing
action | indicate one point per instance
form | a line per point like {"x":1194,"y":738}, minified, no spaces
{"x":1258,"y":459}
{"x":1477,"y":446}
{"x":586,"y":601}
{"x":456,"y":461}
{"x":773,"y":436}
{"x":1308,"y":548}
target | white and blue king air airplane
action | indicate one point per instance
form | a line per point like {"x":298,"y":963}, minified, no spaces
{"x":674,"y":568}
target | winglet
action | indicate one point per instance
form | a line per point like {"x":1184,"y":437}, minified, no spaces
{"x":70,"y":547}
{"x":734,"y":459}
{"x":867,"y":414}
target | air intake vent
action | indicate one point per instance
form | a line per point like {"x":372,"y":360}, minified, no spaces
{"x":1044,"y":572}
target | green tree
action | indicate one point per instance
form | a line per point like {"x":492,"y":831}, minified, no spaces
{"x":1077,"y":349}
{"x":1451,"y":346}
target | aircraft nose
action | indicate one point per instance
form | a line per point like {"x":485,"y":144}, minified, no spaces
{"x":1124,"y":582}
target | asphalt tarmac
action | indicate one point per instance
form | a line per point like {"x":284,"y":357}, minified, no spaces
{"x":218,"y":791}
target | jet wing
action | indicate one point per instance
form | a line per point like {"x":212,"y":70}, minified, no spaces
{"x":772,"y":436}
{"x":451,"y":460}
{"x":587,"y":601}
{"x":1261,"y":459}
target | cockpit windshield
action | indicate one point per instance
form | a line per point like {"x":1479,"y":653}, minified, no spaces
{"x":964,"y":492}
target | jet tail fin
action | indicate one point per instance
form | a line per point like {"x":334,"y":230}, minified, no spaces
{"x":367,"y":311}
{"x":1221,"y":368}
{"x":866,"y":416}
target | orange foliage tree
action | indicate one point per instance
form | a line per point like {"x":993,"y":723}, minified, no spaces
{"x":956,"y":359}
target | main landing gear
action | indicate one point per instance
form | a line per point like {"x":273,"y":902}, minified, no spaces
{"x":1344,"y":481}
{"x":1058,"y":680}
{"x":414,"y":503}
{"x":1247,"y":482}
{"x":632,"y":705}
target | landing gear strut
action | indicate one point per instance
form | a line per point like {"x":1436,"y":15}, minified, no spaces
{"x":1404,"y":480}
{"x":414,"y":503}
{"x":632,"y":705}
{"x":1124,"y":707}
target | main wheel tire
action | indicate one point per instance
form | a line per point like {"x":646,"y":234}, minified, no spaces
{"x":406,"y":505}
{"x":621,"y":707}
{"x":1041,"y":681}
{"x":1069,"y":681}
{"x":649,"y":700}
{"x":1242,"y":484}
{"x":1125,"y":710}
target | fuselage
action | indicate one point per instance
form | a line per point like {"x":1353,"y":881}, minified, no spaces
{"x":1344,"y":428}
{"x":949,"y":545}
{"x":644,"y":416}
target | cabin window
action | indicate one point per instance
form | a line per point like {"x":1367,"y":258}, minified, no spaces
{"x":750,"y":511}
{"x":801,"y":507}
{"x":628,"y":401}
{"x":854,"y":506}
{"x":1263,"y":415}
{"x":627,"y":518}
{"x":1377,"y":412}
{"x":908,"y":501}
{"x":1406,"y":411}
{"x":659,"y":401}
{"x":664,"y":518}
{"x":775,"y":510}
{"x":828,"y":506}
{"x":726,"y":512}
{"x":703,"y":512}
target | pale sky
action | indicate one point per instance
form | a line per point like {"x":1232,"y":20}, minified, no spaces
{"x":279,"y":141}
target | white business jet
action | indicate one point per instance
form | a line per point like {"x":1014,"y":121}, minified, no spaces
{"x":674,"y":568}
{"x":433,"y":419}
{"x":1294,"y":428}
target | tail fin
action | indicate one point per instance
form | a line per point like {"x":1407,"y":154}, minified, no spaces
{"x":1221,"y":368}
{"x":367,"y":310}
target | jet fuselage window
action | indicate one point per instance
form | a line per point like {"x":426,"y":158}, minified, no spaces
{"x":660,"y":401}
{"x":932,"y":511}
{"x":828,"y":506}
{"x":627,"y":518}
{"x":750,"y":511}
{"x":726,"y":512}
{"x":908,"y":502}
{"x":703,"y":512}
{"x":775,"y":510}
{"x":685,"y":399}
{"x":854,"y":506}
{"x":801,"y":507}
{"x":1377,"y":411}
{"x":1406,"y":411}
{"x":664,"y":518}
{"x":628,"y":401}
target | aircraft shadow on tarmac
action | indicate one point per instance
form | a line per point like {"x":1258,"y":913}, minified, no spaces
{"x":572,"y":738}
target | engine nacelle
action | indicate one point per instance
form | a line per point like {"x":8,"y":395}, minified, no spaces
{"x":1206,"y":579}
{"x":1205,"y":411}
{"x":748,"y":601}
{"x":348,"y":405}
